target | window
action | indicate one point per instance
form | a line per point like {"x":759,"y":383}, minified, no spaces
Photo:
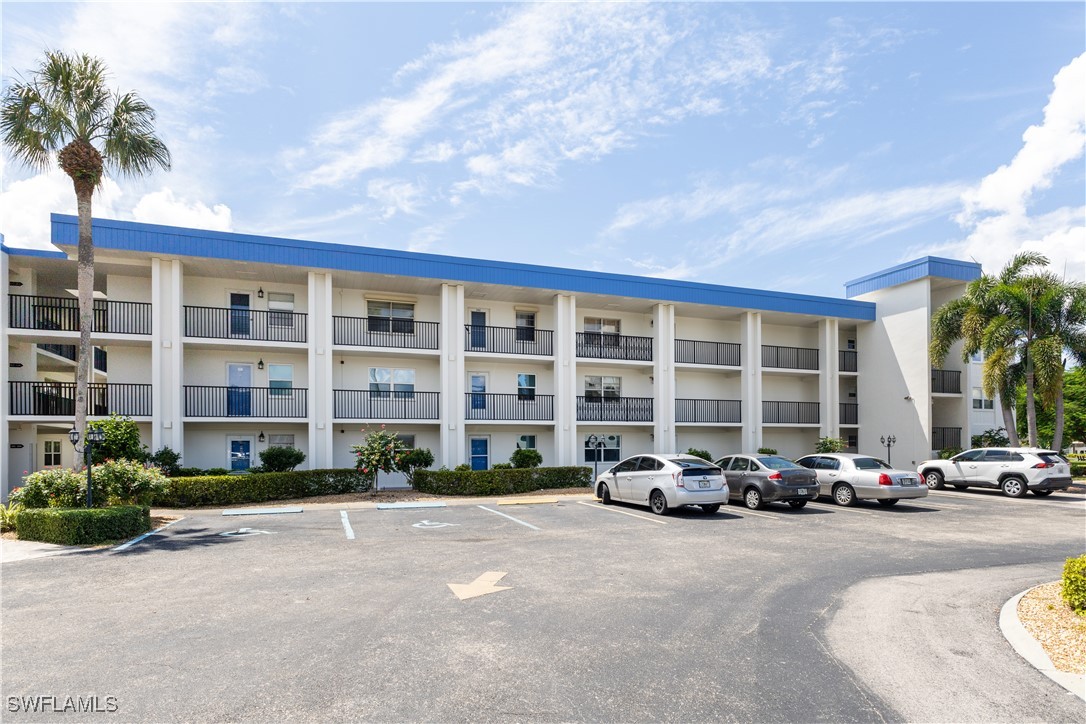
{"x":602,"y":448}
{"x":853,"y":441}
{"x":525,"y":326}
{"x":391,"y":316}
{"x":280,"y":308}
{"x":525,"y":387}
{"x":384,"y":381}
{"x":602,"y":331}
{"x":850,"y":344}
{"x":408,"y":441}
{"x":976,"y":357}
{"x":739,"y":464}
{"x":280,"y":379}
{"x":281,"y":440}
{"x":526,"y":442}
{"x":980,"y":402}
{"x":601,"y":388}
{"x":52,"y":453}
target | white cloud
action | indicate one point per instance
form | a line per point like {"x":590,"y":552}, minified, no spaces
{"x":163,"y":207}
{"x":394,"y":196}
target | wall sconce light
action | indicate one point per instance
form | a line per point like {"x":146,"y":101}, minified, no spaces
{"x":260,"y":293}
{"x":260,"y":437}
{"x":260,"y":364}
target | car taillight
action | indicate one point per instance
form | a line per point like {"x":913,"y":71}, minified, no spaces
{"x":678,"y":479}
{"x":884,"y":479}
{"x":1043,"y":465}
{"x":775,"y":476}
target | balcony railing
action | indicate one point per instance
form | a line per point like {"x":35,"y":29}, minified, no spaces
{"x":846,"y":360}
{"x":273,"y":402}
{"x":946,"y":382}
{"x":601,"y":345}
{"x":62,"y":314}
{"x":708,"y":411}
{"x":58,"y":399}
{"x":508,"y":340}
{"x":707,"y":353}
{"x":100,"y":359}
{"x":943,"y":438}
{"x":385,"y":405}
{"x":789,"y":413}
{"x":490,"y":406}
{"x":67,"y":351}
{"x":850,"y":413}
{"x":384,"y":332}
{"x":244,"y":323}
{"x":789,"y":358}
{"x":614,"y":409}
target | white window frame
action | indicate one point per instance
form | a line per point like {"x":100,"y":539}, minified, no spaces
{"x":280,"y":390}
{"x":400,"y":382}
{"x":980,"y":402}
{"x":526,"y":442}
{"x":395,"y":316}
{"x":526,"y":386}
{"x":281,"y":311}
{"x":46,"y":452}
{"x":281,"y":440}
{"x":606,"y":384}
{"x":603,"y":331}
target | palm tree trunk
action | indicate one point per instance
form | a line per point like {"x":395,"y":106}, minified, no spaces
{"x":1031,"y":406}
{"x":85,"y":280}
{"x":1008,"y":422}
{"x":1057,"y":429}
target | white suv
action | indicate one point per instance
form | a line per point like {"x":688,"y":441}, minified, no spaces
{"x":1014,"y":470}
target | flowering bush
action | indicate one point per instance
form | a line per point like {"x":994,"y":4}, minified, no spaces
{"x":113,"y":482}
{"x":381,"y":452}
{"x":128,"y":482}
{"x":54,"y":488}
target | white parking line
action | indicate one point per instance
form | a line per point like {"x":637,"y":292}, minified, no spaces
{"x":515,"y":520}
{"x":747,"y":511}
{"x":835,"y":507}
{"x":134,"y":541}
{"x":347,"y":529}
{"x":598,"y":506}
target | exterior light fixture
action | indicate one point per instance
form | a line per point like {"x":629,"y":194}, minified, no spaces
{"x":260,"y":437}
{"x":73,"y":435}
{"x":889,"y":443}
{"x":260,"y":364}
{"x":260,"y":293}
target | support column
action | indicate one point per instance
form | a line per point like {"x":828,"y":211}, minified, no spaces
{"x":750,"y":334}
{"x":320,"y":412}
{"x":453,"y":384}
{"x":167,"y":356}
{"x":663,"y":368}
{"x":829,"y":386}
{"x":5,"y":403}
{"x":567,"y":450}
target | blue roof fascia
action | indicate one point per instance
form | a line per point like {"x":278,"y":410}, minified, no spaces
{"x":152,"y":238}
{"x":928,"y":266}
{"x":24,"y":251}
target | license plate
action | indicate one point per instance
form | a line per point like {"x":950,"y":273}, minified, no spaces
{"x":703,"y":483}
{"x":802,"y":491}
{"x":908,"y":481}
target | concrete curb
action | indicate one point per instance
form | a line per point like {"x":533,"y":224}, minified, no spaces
{"x":1031,"y":650}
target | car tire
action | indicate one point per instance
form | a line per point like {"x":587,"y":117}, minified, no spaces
{"x":1042,"y":493}
{"x":1014,"y":487}
{"x":658,"y":503}
{"x":605,"y":494}
{"x":934,"y":480}
{"x":887,"y":502}
{"x":797,"y":503}
{"x":752,"y":497}
{"x":710,"y":509}
{"x":844,"y":495}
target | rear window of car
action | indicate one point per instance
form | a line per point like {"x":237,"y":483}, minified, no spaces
{"x":699,"y":470}
{"x":1052,"y":458}
{"x":776,"y":463}
{"x":869,"y":464}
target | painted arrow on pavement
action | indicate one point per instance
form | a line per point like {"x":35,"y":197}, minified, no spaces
{"x":481,"y":586}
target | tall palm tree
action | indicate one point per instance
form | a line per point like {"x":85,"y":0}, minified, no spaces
{"x":1061,"y":316}
{"x":65,"y":109}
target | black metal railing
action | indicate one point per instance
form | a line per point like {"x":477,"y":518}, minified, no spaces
{"x":789,"y":413}
{"x":707,"y":353}
{"x":846,"y":360}
{"x":62,"y":314}
{"x":789,"y":358}
{"x":244,"y":323}
{"x":708,"y":410}
{"x":100,"y":359}
{"x":385,"y":405}
{"x":850,"y":413}
{"x":496,"y":406}
{"x":274,"y":402}
{"x":58,"y":399}
{"x":614,"y":409}
{"x":946,"y":381}
{"x":508,"y":340}
{"x":384,"y":332}
{"x":946,"y":437}
{"x":600,"y":345}
{"x":67,"y":351}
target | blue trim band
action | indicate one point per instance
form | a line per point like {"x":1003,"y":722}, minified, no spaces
{"x":928,"y":266}
{"x":24,"y":251}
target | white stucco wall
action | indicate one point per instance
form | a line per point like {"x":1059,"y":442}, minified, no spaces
{"x":206,"y":444}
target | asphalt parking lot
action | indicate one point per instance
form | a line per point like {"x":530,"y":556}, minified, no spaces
{"x":607,"y":613}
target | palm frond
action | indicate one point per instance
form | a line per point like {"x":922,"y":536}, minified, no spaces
{"x":131,"y":145}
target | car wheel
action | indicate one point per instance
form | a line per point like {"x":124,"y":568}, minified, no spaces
{"x":843,"y":494}
{"x":961,"y":487}
{"x":658,"y":503}
{"x":1042,"y":493}
{"x":888,"y":502}
{"x":605,"y":494}
{"x":710,"y":509}
{"x":1014,"y":487}
{"x":934,"y":479}
{"x":753,"y":499}
{"x":797,"y":503}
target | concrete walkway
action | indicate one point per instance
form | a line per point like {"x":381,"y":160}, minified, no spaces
{"x":24,"y":550}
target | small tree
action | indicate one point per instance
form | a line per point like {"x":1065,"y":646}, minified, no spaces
{"x":703,"y":454}
{"x":167,"y":460}
{"x":281,"y":459}
{"x":526,"y":458}
{"x":122,"y":440}
{"x":830,"y":445}
{"x":996,"y":437}
{"x":413,"y":460}
{"x":380,"y":453}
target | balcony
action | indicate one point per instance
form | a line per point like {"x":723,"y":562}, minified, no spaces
{"x":708,"y":411}
{"x":490,"y":406}
{"x":614,"y":409}
{"x":601,"y":345}
{"x":71,"y":352}
{"x":789,"y":413}
{"x":849,"y":413}
{"x":243,"y":323}
{"x":508,"y":340}
{"x":384,"y":332}
{"x":946,"y":382}
{"x":62,"y":314}
{"x":697,"y":352}
{"x":57,"y":399}
{"x":943,"y":438}
{"x":263,"y":402}
{"x":385,"y":405}
{"x":846,"y":360}
{"x":789,"y":358}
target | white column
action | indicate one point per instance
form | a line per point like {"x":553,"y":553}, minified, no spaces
{"x":5,"y":403}
{"x":167,"y":362}
{"x":829,"y":387}
{"x":750,"y":334}
{"x":453,"y":384}
{"x":321,"y":453}
{"x":567,"y":451}
{"x":663,"y":375}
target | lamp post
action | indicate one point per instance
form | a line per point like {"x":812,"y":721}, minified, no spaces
{"x":95,"y":436}
{"x":888,"y":442}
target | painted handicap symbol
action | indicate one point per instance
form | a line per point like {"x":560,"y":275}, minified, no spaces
{"x":432,"y":524}
{"x":242,"y":532}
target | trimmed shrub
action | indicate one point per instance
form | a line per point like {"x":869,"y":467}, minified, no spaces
{"x":79,"y":526}
{"x":167,"y":460}
{"x":526,"y":458}
{"x":1078,"y":470}
{"x":128,"y":482}
{"x":501,"y":481}
{"x":1074,"y":583}
{"x":281,"y":459}
{"x":259,"y":487}
{"x":413,"y":460}
{"x":949,"y":452}
{"x":59,"y":488}
{"x":830,"y":445}
{"x":703,"y":454}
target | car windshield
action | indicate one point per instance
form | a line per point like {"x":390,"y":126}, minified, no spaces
{"x":869,"y":464}
{"x":775,"y":463}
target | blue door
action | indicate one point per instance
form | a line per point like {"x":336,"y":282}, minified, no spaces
{"x":239,"y":391}
{"x":240,"y":454}
{"x":239,"y":315}
{"x":478,"y":329}
{"x":480,"y":455}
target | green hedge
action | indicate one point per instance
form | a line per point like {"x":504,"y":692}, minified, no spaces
{"x":80,"y":526}
{"x":1074,"y":581}
{"x":1078,"y":470}
{"x":259,"y":487}
{"x":500,"y":482}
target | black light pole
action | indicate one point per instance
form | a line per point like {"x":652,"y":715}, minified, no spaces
{"x":889,"y":443}
{"x":95,"y":436}
{"x":593,"y":444}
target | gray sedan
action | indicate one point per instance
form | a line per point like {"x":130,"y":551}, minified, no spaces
{"x":761,"y":479}
{"x":848,"y":477}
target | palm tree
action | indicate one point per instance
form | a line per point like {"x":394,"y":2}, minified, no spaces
{"x":65,"y":109}
{"x":1061,"y":315}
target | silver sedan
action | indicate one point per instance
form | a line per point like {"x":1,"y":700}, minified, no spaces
{"x":848,"y":477}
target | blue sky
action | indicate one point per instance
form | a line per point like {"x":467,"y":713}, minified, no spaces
{"x":784,"y":146}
